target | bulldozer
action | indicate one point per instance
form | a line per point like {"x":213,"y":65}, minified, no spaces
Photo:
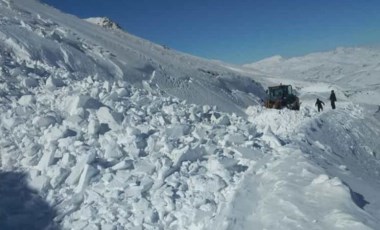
{"x":281,"y":96}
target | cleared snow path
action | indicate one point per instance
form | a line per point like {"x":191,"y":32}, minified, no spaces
{"x":346,"y":144}
{"x":288,"y":188}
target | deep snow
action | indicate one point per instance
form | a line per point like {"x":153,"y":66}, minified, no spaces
{"x":115,"y":132}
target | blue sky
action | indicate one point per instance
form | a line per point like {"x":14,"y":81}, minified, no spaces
{"x":240,"y":31}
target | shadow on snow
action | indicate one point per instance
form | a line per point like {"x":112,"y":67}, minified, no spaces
{"x":21,"y":207}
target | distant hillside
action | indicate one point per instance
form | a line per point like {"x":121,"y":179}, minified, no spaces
{"x":356,"y":69}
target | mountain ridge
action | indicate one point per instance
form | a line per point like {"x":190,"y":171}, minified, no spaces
{"x":104,"y":22}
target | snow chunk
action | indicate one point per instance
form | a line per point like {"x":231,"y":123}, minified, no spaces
{"x":32,"y":149}
{"x":126,"y":164}
{"x":74,"y":103}
{"x":206,"y":108}
{"x":220,"y":120}
{"x":29,"y":82}
{"x":59,"y":174}
{"x":271,"y":138}
{"x":46,"y":160}
{"x":177,"y":130}
{"x":88,"y":172}
{"x":54,"y":133}
{"x":144,"y":168}
{"x":53,"y":83}
{"x":44,"y":121}
{"x":111,"y":148}
{"x":67,"y":160}
{"x":343,"y":167}
{"x":40,"y":182}
{"x":78,"y":168}
{"x":237,"y":139}
{"x":113,"y":119}
{"x":93,"y":125}
{"x":210,"y":184}
{"x":186,"y":154}
{"x":26,"y":100}
{"x":320,"y":179}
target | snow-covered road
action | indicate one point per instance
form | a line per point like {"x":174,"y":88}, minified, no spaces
{"x":299,"y":184}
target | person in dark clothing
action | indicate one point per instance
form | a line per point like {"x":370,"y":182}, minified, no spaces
{"x":332,"y":99}
{"x":319,"y":103}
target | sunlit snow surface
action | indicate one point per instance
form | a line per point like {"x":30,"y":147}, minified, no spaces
{"x":114,"y":132}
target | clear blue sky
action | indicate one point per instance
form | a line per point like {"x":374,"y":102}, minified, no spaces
{"x":240,"y":31}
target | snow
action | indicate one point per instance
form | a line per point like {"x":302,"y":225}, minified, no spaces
{"x":103,"y":22}
{"x":115,"y":132}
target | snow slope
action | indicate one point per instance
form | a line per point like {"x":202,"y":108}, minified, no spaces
{"x":112,"y":132}
{"x":84,"y":49}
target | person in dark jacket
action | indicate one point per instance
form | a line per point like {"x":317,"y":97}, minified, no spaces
{"x":332,"y":99}
{"x":319,"y":103}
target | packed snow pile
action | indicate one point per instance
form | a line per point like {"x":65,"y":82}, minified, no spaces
{"x":120,"y":157}
{"x":104,"y":22}
{"x":103,"y":130}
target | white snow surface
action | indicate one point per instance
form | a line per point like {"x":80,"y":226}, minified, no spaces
{"x":115,"y":132}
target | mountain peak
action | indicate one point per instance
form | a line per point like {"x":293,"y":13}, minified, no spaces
{"x":267,"y":61}
{"x":273,"y":59}
{"x":104,"y":22}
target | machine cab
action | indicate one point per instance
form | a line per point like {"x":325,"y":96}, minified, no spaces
{"x":279,"y":92}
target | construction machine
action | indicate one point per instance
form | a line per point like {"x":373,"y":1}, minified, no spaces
{"x":282,"y":96}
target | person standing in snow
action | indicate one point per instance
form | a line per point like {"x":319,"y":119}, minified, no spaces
{"x":332,"y":99}
{"x":319,"y":103}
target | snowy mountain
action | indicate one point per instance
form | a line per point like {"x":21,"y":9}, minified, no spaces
{"x":100,"y":129}
{"x":104,"y":22}
{"x":75,"y":46}
{"x":277,"y":59}
{"x":356,"y":70}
